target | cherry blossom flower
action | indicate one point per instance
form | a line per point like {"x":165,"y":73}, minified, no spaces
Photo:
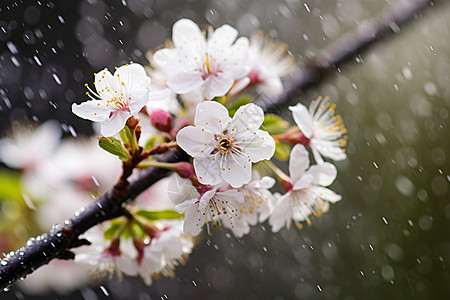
{"x":165,"y":252}
{"x":107,"y":258}
{"x":212,"y":64}
{"x":224,"y":148}
{"x":308,"y":194}
{"x":218,"y":204}
{"x":257,"y":204}
{"x":323,"y":128}
{"x":119,"y":97}
{"x":270,"y":62}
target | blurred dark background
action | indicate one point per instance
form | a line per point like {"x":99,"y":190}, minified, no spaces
{"x":388,"y":237}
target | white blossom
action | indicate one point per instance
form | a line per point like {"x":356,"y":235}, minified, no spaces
{"x":212,"y":64}
{"x":324,"y":129}
{"x":219,"y":206}
{"x":270,"y":62}
{"x":165,"y":252}
{"x":308,"y":194}
{"x":224,"y":148}
{"x":118,"y":97}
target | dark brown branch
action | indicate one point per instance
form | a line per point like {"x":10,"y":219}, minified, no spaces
{"x":58,"y":241}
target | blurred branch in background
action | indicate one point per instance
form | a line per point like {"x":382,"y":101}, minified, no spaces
{"x":58,"y":242}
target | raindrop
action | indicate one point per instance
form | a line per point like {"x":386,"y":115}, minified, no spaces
{"x":194,"y":283}
{"x":104,"y":290}
{"x":38,"y":62}
{"x":384,"y":220}
{"x":264,"y":249}
{"x":12,"y":48}
{"x":319,"y":288}
{"x":94,"y":179}
{"x":120,"y":23}
{"x":58,"y":81}
{"x":61,"y":19}
{"x":375,"y":165}
{"x":67,"y":222}
{"x":359,"y":178}
{"x":15,"y":61}
{"x":306,"y":7}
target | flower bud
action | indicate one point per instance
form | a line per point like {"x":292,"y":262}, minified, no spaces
{"x":161,"y":120}
{"x":184,"y":169}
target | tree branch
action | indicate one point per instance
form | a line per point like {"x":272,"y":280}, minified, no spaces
{"x":58,"y":241}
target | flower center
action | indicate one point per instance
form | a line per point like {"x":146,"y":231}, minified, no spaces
{"x":225,"y":144}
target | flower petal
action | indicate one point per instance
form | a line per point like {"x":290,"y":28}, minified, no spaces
{"x":304,"y":182}
{"x":115,"y":124}
{"x":224,"y":36}
{"x":211,"y":116}
{"x":195,"y":141}
{"x":207,"y":170}
{"x":93,"y":110}
{"x":185,"y":33}
{"x":139,"y":98}
{"x":257,"y":145}
{"x":326,"y":194}
{"x":282,"y":214}
{"x":324,"y":174}
{"x":248,"y":116}
{"x":236,"y":170}
{"x":183,"y":82}
{"x":302,"y":118}
{"x":298,"y":162}
{"x":133,"y":76}
{"x":217,"y":85}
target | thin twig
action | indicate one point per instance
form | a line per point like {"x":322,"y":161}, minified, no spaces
{"x":58,"y":241}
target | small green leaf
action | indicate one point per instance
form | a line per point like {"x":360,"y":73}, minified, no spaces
{"x":154,"y":141}
{"x":153,"y":215}
{"x":10,"y":185}
{"x":282,"y":151}
{"x":274,"y":124}
{"x":112,"y":230}
{"x":234,"y":106}
{"x":113,"y":146}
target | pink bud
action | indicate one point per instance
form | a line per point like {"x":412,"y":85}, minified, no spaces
{"x":161,"y":120}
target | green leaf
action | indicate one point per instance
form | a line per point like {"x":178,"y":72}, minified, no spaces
{"x":154,"y":215}
{"x":113,"y":146}
{"x":234,"y":106}
{"x":154,"y":141}
{"x":274,"y":124}
{"x":10,"y":185}
{"x":282,"y":151}
{"x":112,"y":230}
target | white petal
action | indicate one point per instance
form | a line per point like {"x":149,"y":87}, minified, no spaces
{"x":193,"y":139}
{"x":224,"y":36}
{"x":185,"y":33}
{"x":298,"y":162}
{"x":105,"y":80}
{"x":93,"y":110}
{"x":180,"y":189}
{"x":303,"y":119}
{"x":238,"y":65}
{"x":168,"y":60}
{"x":206,"y":197}
{"x":114,"y":124}
{"x":139,"y":98}
{"x":217,"y":85}
{"x":304,"y":182}
{"x":326,"y":194}
{"x":207,"y":170}
{"x":194,"y":221}
{"x":248,"y":116}
{"x":328,"y":149}
{"x":282,"y":214}
{"x":258,"y":145}
{"x":183,"y":82}
{"x":212,"y":116}
{"x":324,"y":174}
{"x":133,"y":76}
{"x":236,"y":170}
